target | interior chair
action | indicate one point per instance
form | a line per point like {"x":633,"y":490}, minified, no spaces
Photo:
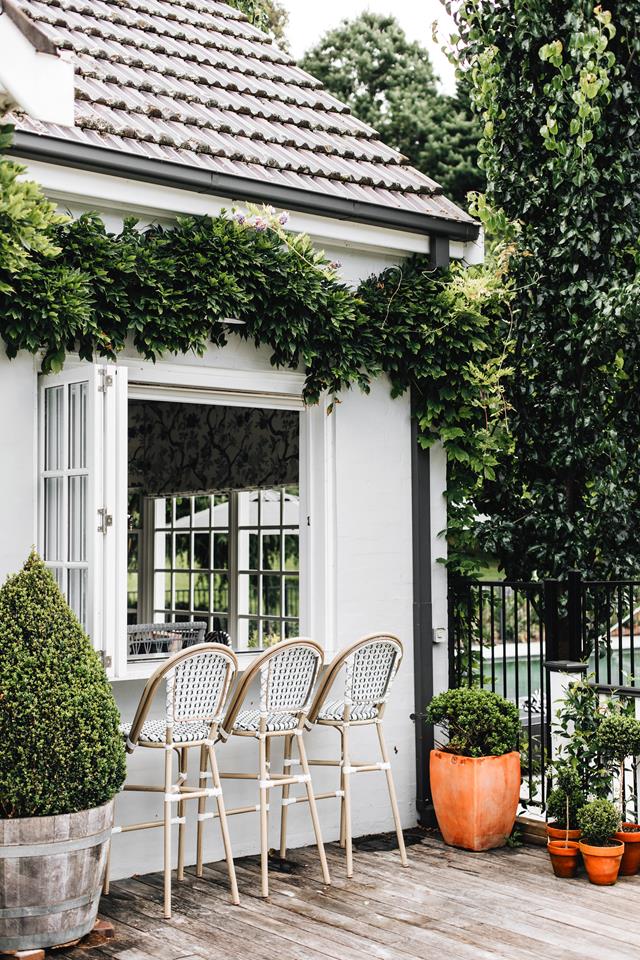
{"x":353,"y":693}
{"x":198,"y":682}
{"x":287,"y":675}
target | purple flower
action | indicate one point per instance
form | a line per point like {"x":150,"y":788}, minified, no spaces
{"x":259,"y":224}
{"x":239,"y":218}
{"x":283,"y":218}
{"x":335,"y":265}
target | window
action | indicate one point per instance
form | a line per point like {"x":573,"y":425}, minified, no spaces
{"x":214,"y":514}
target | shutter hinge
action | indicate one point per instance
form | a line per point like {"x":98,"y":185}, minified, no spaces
{"x":106,"y":380}
{"x":105,"y":518}
{"x":106,"y":661}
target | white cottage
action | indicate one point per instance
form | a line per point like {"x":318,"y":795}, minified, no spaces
{"x":203,"y":489}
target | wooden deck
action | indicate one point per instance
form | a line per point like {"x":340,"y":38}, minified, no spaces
{"x":448,"y":905}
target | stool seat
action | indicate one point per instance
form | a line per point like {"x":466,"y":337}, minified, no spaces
{"x":249,"y":720}
{"x":155,"y":731}
{"x":333,"y":711}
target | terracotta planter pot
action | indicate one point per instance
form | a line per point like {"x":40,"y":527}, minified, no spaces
{"x":555,"y":833}
{"x":602,"y":863}
{"x":475,"y":799}
{"x":631,"y":856}
{"x":564,"y":858}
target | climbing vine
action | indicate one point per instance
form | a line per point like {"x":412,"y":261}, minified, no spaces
{"x":85,"y":290}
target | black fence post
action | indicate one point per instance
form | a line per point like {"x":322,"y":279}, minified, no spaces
{"x":574,"y":614}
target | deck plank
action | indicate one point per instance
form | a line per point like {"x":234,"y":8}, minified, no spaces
{"x":501,"y":905}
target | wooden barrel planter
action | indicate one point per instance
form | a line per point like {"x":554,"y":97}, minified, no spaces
{"x":51,"y":873}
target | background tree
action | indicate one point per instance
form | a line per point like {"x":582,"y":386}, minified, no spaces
{"x":558,"y":87}
{"x":267,"y":15}
{"x":389,"y":83}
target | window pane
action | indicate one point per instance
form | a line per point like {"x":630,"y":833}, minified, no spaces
{"x":201,"y":512}
{"x":291,"y":551}
{"x":168,"y":511}
{"x":77,"y":425}
{"x":134,"y":518}
{"x":248,"y":593}
{"x":270,"y":516}
{"x":183,"y":542}
{"x":221,"y":551}
{"x":132,"y":590}
{"x":291,"y":597}
{"x":182,"y":591}
{"x":201,"y":592}
{"x":163,"y":590}
{"x":183,"y":511}
{"x":248,"y":549}
{"x":270,"y":633}
{"x":201,"y":551}
{"x":53,"y":537}
{"x":220,"y":592}
{"x":78,"y":518}
{"x":271,"y":595}
{"x":248,"y":508}
{"x":253,"y":638}
{"x":78,"y":594}
{"x":291,"y":628}
{"x":221,"y":510}
{"x":53,"y":406}
{"x":132,"y":552}
{"x":271,"y":551}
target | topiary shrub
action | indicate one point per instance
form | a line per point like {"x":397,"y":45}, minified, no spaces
{"x":479,"y":723}
{"x":599,"y":821}
{"x":568,"y":795}
{"x":61,"y":750}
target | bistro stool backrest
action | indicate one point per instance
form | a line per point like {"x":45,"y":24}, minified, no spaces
{"x":288,"y":673}
{"x":198,"y":680}
{"x":368,"y":669}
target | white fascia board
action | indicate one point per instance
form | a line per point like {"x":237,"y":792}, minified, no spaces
{"x":75,"y":188}
{"x":39,"y":83}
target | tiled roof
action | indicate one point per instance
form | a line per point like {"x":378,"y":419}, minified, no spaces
{"x":191,"y":82}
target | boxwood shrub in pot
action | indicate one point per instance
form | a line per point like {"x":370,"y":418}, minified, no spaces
{"x":601,"y":852}
{"x":618,"y":739}
{"x":475,"y":776}
{"x":61,"y":763}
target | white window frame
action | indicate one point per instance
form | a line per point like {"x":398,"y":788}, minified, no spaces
{"x":191,"y":383}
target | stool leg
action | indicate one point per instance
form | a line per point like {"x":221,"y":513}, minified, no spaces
{"x":107,"y":867}
{"x":346,"y":781}
{"x":286,"y":769}
{"x":392,"y":796}
{"x":182,"y":768}
{"x":314,"y":810}
{"x":342,"y":798}
{"x":264,"y":817}
{"x":224,"y":827}
{"x":202,"y":806}
{"x":167,"y":833}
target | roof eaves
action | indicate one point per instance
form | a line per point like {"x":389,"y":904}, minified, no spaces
{"x":33,"y":33}
{"x":180,"y":176}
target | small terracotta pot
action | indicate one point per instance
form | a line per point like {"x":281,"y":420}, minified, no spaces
{"x":475,"y":798}
{"x":631,"y":856}
{"x":602,"y":863}
{"x":555,"y":833}
{"x":564,"y":858}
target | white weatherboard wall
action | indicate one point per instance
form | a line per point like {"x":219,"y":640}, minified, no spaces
{"x":18,"y":398}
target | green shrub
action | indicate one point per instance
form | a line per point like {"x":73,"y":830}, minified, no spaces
{"x":618,"y":737}
{"x":61,"y":750}
{"x":599,"y":821}
{"x":568,"y":788}
{"x":479,"y":723}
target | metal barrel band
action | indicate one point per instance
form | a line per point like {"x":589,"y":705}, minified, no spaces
{"x":9,"y":913}
{"x":52,"y":939}
{"x":18,"y":851}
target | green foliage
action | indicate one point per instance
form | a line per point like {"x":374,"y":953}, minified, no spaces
{"x":389,"y":83}
{"x":576,"y":725}
{"x":618,"y":738}
{"x":568,"y":795}
{"x":599,"y":821}
{"x":61,"y":750}
{"x":479,"y":723}
{"x":270,"y":16}
{"x":558,"y":89}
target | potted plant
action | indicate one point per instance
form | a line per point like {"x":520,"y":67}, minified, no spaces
{"x":62,"y":762}
{"x":564,"y":804}
{"x":475,"y":777}
{"x":619,"y":738}
{"x":602,"y":853}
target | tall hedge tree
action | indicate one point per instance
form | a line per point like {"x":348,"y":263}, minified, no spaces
{"x":389,"y":83}
{"x":558,"y":88}
{"x":267,"y":15}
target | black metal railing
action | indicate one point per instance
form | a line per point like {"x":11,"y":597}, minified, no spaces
{"x":503,"y":633}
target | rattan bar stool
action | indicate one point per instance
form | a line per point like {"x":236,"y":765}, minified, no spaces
{"x":365,"y":671}
{"x":198,"y":682}
{"x":287,"y":675}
